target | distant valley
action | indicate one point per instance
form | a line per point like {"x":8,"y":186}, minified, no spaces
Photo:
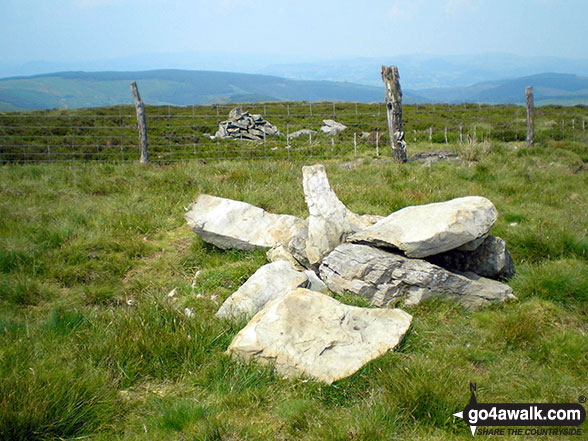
{"x":186,"y":87}
{"x":169,"y":87}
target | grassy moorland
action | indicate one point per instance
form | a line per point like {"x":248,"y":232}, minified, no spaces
{"x":92,"y":347}
{"x":180,"y":133}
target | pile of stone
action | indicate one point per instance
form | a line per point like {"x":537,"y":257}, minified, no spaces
{"x":440,"y":250}
{"x":243,"y":125}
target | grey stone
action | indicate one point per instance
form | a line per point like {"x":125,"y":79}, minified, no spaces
{"x":330,"y":220}
{"x":328,"y":225}
{"x":360,"y":222}
{"x":302,"y":132}
{"x":332,"y":127}
{"x":425,"y":230}
{"x":233,"y":224}
{"x":236,"y":113}
{"x":281,"y":252}
{"x":221,"y":133}
{"x":309,"y":334}
{"x":471,"y":246}
{"x":387,"y":278}
{"x":297,"y":247}
{"x":314,"y":282}
{"x":267,"y":283}
{"x":270,"y":129}
{"x":490,"y":259}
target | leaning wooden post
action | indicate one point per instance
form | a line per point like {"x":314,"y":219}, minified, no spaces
{"x":394,"y":112}
{"x":530,"y":116}
{"x":141,"y":124}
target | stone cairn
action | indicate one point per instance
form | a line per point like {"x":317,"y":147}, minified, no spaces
{"x":243,"y":125}
{"x":442,"y":250}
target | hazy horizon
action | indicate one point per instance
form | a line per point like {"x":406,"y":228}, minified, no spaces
{"x":88,"y":30}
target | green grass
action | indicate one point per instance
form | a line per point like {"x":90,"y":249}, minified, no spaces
{"x":180,"y":133}
{"x":91,"y":347}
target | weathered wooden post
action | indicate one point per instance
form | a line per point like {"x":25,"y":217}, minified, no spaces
{"x":377,"y":143}
{"x":394,"y":112}
{"x":141,"y":124}
{"x":530,"y":116}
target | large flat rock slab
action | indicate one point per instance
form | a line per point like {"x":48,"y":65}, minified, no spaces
{"x":266,"y":284}
{"x":388,"y":278}
{"x":234,"y":224}
{"x":425,"y":230}
{"x":312,"y":334}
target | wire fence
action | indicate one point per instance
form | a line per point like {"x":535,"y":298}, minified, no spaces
{"x":180,"y":133}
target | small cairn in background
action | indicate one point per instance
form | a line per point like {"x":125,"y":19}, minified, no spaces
{"x":243,"y":125}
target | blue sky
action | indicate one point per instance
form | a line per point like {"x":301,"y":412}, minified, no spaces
{"x":69,"y":30}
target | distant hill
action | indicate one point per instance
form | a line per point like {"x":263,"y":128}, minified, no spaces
{"x":181,"y":87}
{"x":417,"y":71}
{"x":548,"y":88}
{"x":176,"y":87}
{"x":421,"y":71}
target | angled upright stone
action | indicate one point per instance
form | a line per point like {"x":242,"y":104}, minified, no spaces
{"x":328,"y":225}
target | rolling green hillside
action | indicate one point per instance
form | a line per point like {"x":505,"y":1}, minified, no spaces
{"x":182,"y":87}
{"x":549,"y":88}
{"x":177,"y":87}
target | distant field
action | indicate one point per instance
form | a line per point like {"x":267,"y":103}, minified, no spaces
{"x":180,"y":133}
{"x":91,"y":347}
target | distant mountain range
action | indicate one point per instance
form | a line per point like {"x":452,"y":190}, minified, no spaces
{"x":548,"y":88}
{"x":428,"y":71}
{"x":417,"y":71}
{"x":176,"y":87}
{"x":182,"y":87}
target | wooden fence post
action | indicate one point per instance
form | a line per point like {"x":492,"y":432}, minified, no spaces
{"x":394,"y":112}
{"x":377,"y":143}
{"x":141,"y":124}
{"x":530,"y":116}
